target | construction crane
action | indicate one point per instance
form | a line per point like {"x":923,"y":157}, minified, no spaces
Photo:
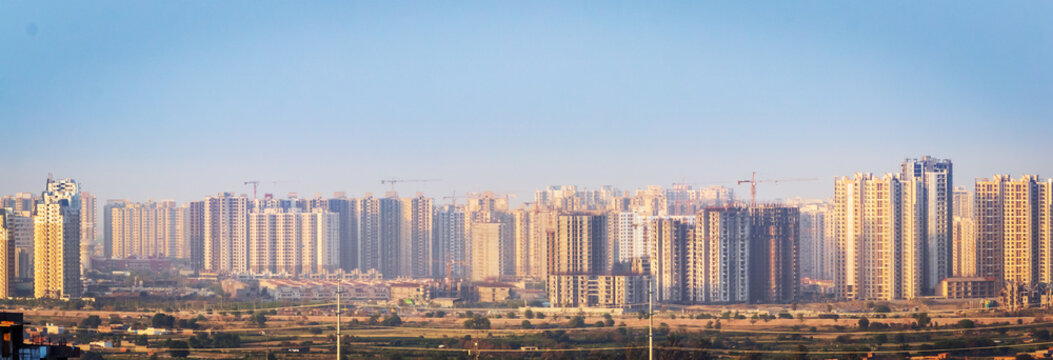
{"x":453,"y":197}
{"x":753,"y":185}
{"x":449,"y":265}
{"x":255,"y":184}
{"x":393,"y":181}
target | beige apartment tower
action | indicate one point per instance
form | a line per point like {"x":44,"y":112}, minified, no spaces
{"x":7,"y":257}
{"x":56,"y":241}
{"x":878,"y":234}
{"x":1013,"y":230}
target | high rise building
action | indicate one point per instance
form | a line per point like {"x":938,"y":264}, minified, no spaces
{"x":225,"y":237}
{"x":449,"y":252}
{"x":194,"y":221}
{"x":293,"y":243}
{"x":147,"y":230}
{"x":964,"y":246}
{"x":578,"y":244}
{"x":56,"y":240}
{"x":962,"y":202}
{"x":488,"y":252}
{"x":87,"y":229}
{"x":817,"y":245}
{"x":1013,"y":230}
{"x":542,"y":228}
{"x":415,"y":244}
{"x":964,"y":233}
{"x":380,"y":224}
{"x":774,"y":274}
{"x":20,"y":231}
{"x":878,"y":231}
{"x":670,"y":240}
{"x":725,"y":235}
{"x":7,"y":257}
{"x":348,"y":213}
{"x":521,"y":241}
{"x":936,"y":214}
{"x":20,"y":202}
{"x":576,"y":264}
{"x":107,"y":226}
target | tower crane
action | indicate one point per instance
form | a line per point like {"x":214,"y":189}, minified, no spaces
{"x":255,"y":184}
{"x":753,"y":185}
{"x":394,"y":181}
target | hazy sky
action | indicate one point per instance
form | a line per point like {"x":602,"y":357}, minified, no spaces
{"x":183,"y":99}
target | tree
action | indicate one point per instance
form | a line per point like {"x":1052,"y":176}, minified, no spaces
{"x":161,"y":320}
{"x":922,"y":319}
{"x":477,"y":322}
{"x":864,"y":323}
{"x":966,"y":324}
{"x":393,"y":320}
{"x":529,"y":314}
{"x":178,"y":348}
{"x":259,"y":319}
{"x":608,"y":320}
{"x":527,"y":325}
{"x":92,"y":321}
{"x":576,"y":322}
{"x":224,"y":340}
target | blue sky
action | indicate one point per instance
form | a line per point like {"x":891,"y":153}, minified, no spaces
{"x":180,"y":100}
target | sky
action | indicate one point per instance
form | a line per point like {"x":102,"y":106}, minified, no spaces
{"x":184,"y":99}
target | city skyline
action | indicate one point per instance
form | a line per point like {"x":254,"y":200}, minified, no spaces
{"x":180,"y":102}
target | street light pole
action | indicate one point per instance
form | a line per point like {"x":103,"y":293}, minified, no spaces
{"x":339,"y":354}
{"x":650,"y":319}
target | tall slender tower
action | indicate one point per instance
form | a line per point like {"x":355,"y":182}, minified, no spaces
{"x":380,"y":224}
{"x":415,"y":243}
{"x":867,"y":218}
{"x":56,"y":241}
{"x":669,"y":257}
{"x":7,"y":256}
{"x":225,"y":234}
{"x":935,"y":201}
{"x":449,"y":252}
{"x":87,"y":230}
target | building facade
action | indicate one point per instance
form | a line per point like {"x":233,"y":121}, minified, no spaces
{"x":56,"y":226}
{"x":225,"y":234}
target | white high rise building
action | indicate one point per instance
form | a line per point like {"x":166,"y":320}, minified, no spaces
{"x":225,"y":237}
{"x":87,"y":230}
{"x":293,"y":243}
{"x":449,"y":253}
{"x":415,"y":243}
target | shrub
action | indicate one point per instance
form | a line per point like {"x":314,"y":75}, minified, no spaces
{"x":477,"y":322}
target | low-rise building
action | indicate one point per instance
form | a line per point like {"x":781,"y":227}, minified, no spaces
{"x":493,"y":292}
{"x":603,"y":291}
{"x":967,"y":288}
